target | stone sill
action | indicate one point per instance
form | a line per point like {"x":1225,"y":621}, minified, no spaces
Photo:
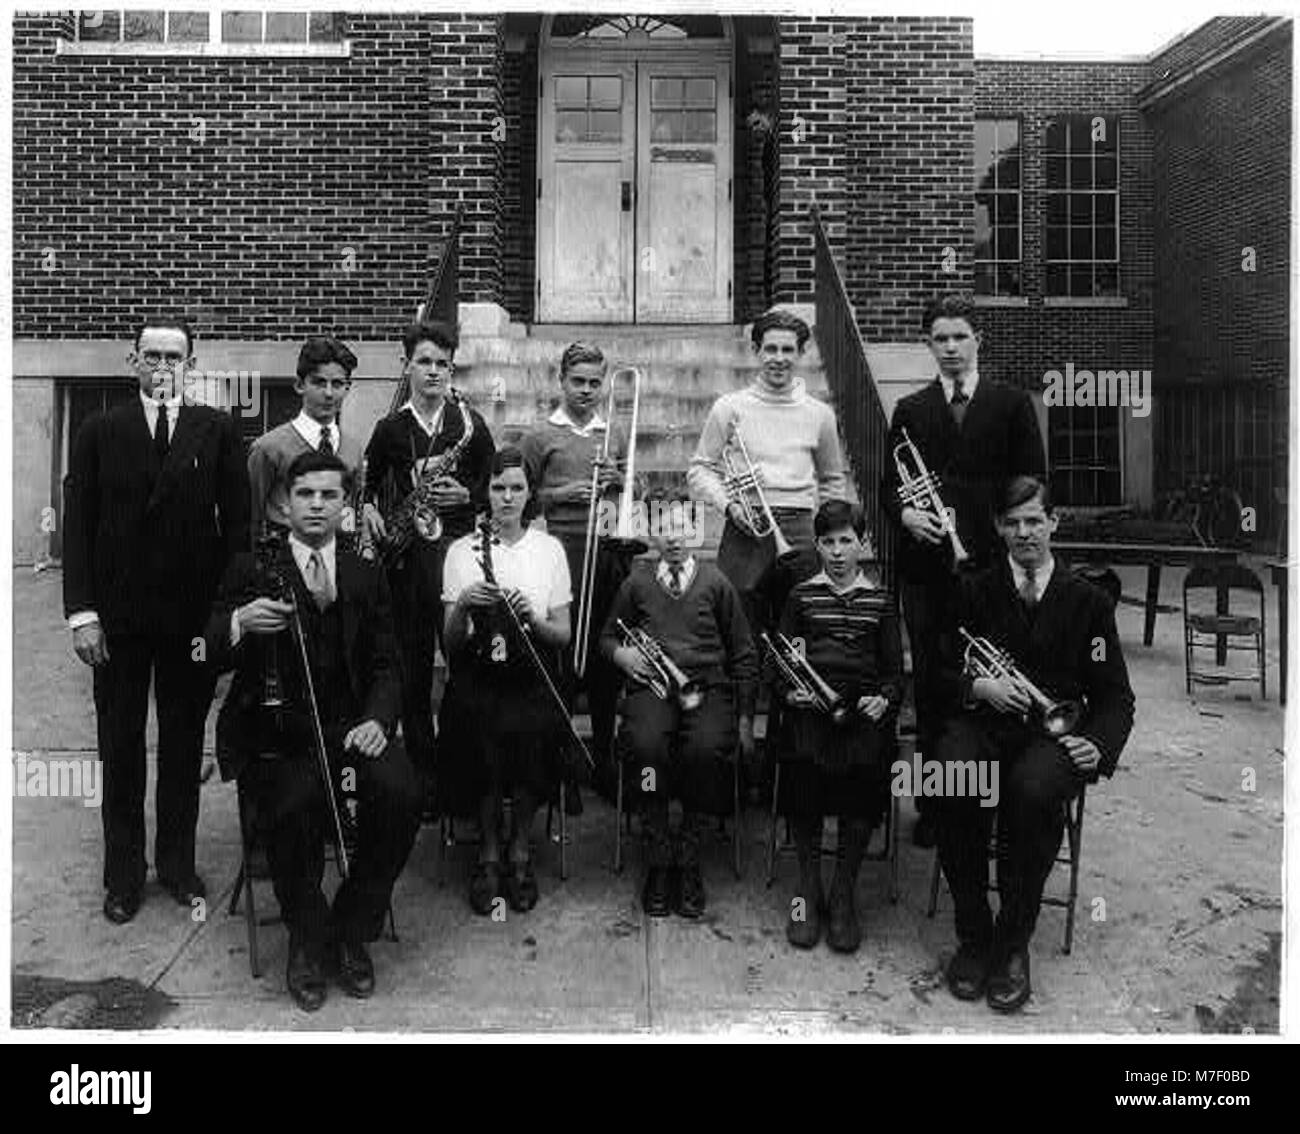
{"x":1080,"y":301}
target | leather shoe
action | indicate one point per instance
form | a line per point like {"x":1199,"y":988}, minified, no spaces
{"x":305,"y":978}
{"x":655,"y":896}
{"x":805,"y":932}
{"x":1009,"y":986}
{"x":356,"y":969}
{"x":121,"y":908}
{"x":689,"y":896}
{"x":844,"y":930}
{"x":186,"y":890}
{"x":968,"y":971}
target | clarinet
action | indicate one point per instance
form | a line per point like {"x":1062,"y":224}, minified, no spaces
{"x":266,"y":553}
{"x":486,"y":539}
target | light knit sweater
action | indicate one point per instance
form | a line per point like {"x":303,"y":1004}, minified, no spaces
{"x":791,"y":438}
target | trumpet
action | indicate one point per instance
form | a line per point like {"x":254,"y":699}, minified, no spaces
{"x":983,"y":659}
{"x":919,"y":488}
{"x":667,"y":679}
{"x":798,"y":673}
{"x":744,"y":486}
{"x":624,"y":534}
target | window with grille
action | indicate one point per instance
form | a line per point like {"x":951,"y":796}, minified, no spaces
{"x":1083,"y":445}
{"x":159,"y":26}
{"x":997,"y":206}
{"x":1082,"y":200}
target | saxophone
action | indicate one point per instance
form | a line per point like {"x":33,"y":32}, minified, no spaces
{"x":416,"y":513}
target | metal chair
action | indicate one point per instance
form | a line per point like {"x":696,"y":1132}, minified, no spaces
{"x":253,"y":867}
{"x":1073,"y":844}
{"x":1203,"y":630}
{"x":622,"y":818}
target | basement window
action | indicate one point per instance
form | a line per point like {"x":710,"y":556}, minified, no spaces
{"x":221,"y":31}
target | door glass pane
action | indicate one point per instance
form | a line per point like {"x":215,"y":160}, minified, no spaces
{"x":570,"y":125}
{"x":605,"y":126}
{"x":606,"y":92}
{"x":666,"y":126}
{"x":700,"y":126}
{"x":665,"y":93}
{"x":700,"y":93}
{"x":570,"y":91}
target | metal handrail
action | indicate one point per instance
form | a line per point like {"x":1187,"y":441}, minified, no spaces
{"x":864,"y":425}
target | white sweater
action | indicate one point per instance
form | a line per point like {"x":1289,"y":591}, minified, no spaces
{"x":791,"y":437}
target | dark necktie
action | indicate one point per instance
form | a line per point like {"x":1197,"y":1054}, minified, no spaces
{"x":675,"y":580}
{"x":161,"y":441}
{"x":318,"y":581}
{"x":960,"y":400}
{"x":1029,"y":591}
{"x":326,"y":446}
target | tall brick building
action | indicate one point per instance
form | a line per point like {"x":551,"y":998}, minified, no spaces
{"x":274,"y":175}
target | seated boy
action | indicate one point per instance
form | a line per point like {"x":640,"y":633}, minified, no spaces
{"x":846,"y":630}
{"x":674,"y":748}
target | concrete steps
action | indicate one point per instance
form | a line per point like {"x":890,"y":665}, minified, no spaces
{"x":512,"y":380}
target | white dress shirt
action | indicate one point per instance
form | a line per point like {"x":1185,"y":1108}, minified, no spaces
{"x":1042,"y":576}
{"x":968,"y":385}
{"x":430,"y":427}
{"x":595,"y":424}
{"x":310,"y":430}
{"x":664,"y":574}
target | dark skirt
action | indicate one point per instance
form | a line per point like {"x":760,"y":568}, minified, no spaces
{"x":829,"y":769}
{"x":499,"y":732}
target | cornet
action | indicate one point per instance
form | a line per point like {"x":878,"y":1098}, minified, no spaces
{"x":918,"y":488}
{"x":667,"y":679}
{"x":797,"y":672}
{"x":983,"y":659}
{"x":744,"y":486}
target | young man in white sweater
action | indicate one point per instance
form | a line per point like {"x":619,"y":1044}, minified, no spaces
{"x":794,"y":443}
{"x":793,"y":440}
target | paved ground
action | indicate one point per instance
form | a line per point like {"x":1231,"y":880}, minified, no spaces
{"x":1178,"y":925}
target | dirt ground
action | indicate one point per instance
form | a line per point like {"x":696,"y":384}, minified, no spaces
{"x":1178,"y":927}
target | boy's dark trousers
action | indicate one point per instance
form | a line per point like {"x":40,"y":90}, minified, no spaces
{"x":1035,"y":780}
{"x":673,"y":754}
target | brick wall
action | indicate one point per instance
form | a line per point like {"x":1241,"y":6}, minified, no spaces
{"x":1022,"y":343}
{"x":1223,"y":184}
{"x":876,"y":130}
{"x":279,"y":196}
{"x":754,"y":181}
{"x":813,"y":159}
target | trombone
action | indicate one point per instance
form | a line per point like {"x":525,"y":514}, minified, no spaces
{"x":983,"y":659}
{"x":919,"y":488}
{"x":624,"y":533}
{"x":744,"y":486}
{"x":667,"y":679}
{"x":797,"y":672}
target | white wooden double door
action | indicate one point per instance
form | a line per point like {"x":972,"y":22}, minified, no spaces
{"x":634,"y":216}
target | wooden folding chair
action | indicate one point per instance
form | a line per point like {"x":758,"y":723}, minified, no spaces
{"x":1204,"y":631}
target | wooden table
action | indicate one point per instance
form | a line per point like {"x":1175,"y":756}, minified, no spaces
{"x":1277,"y":569}
{"x":1156,"y":556}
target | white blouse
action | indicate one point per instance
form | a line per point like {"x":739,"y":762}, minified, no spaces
{"x":536,"y":565}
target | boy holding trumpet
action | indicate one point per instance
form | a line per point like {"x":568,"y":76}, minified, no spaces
{"x":681,"y":744}
{"x":840,"y":664}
